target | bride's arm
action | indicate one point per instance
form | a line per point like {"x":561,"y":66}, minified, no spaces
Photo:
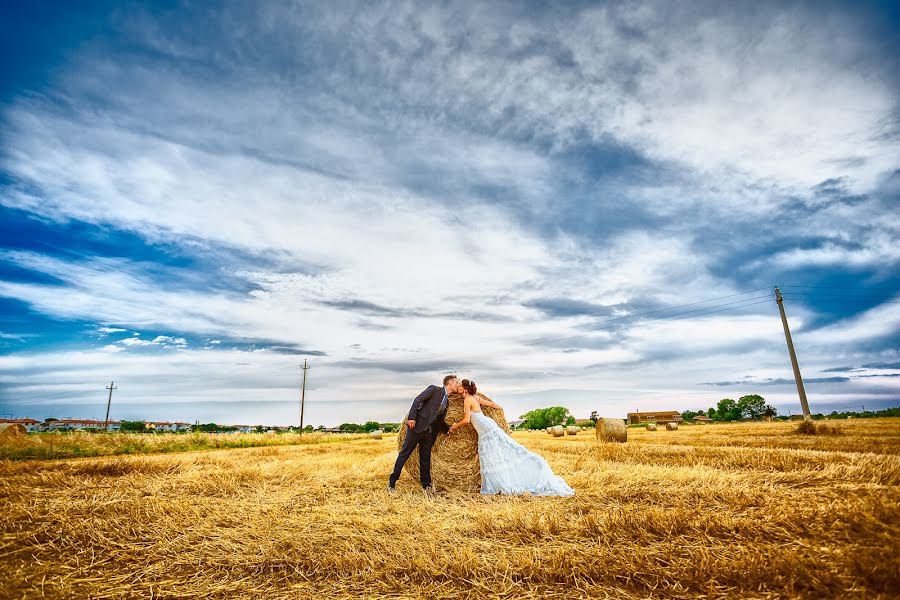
{"x":467,"y":416}
{"x":486,"y":402}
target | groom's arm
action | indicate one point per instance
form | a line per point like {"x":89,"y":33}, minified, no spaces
{"x":417,"y":403}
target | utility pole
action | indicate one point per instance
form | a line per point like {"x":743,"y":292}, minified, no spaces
{"x":110,"y":387}
{"x":787,"y":336}
{"x":305,"y":368}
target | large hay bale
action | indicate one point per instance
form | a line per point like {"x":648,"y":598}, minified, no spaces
{"x":454,"y":458}
{"x":611,"y":430}
{"x":12,"y":429}
{"x":376,"y":435}
{"x":573,"y":429}
{"x":651,"y":426}
{"x":671,"y":426}
{"x":558,"y":431}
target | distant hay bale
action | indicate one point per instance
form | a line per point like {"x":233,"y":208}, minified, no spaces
{"x":558,"y":431}
{"x":651,"y":426}
{"x":671,"y":426}
{"x":611,"y":430}
{"x":454,"y":458}
{"x":550,"y":430}
{"x":376,"y":435}
{"x":12,"y":429}
{"x":573,"y":429}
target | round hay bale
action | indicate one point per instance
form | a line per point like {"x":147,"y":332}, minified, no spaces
{"x":611,"y":430}
{"x":671,"y":426}
{"x":454,"y":458}
{"x":573,"y":429}
{"x":651,"y":426}
{"x":12,"y":429}
{"x":376,"y":435}
{"x":558,"y":431}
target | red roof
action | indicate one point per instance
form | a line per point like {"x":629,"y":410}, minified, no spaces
{"x":83,"y":422}
{"x":22,"y":421}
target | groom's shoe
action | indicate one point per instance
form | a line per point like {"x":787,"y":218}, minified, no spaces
{"x":428,"y":489}
{"x":391,"y":491}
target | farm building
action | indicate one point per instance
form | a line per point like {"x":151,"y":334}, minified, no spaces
{"x":702,"y":419}
{"x":661,"y":416}
{"x":29,"y":424}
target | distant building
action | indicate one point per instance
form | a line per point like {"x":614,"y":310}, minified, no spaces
{"x":80,"y":424}
{"x":514,"y":424}
{"x":702,"y":419}
{"x":166,"y":426}
{"x":29,"y":424}
{"x":660,"y":416}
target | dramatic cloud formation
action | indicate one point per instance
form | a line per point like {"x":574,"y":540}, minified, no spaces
{"x":196,"y":199}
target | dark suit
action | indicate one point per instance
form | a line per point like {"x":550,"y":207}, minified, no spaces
{"x":426,"y":412}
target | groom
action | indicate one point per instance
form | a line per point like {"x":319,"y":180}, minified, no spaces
{"x":424,"y":421}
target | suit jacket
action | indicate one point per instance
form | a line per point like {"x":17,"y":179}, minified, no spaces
{"x":424,"y":410}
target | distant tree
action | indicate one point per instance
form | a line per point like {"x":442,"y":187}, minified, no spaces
{"x":136,"y":426}
{"x":701,"y":412}
{"x":752,"y":406}
{"x":351,"y":427}
{"x":594,"y":416}
{"x":48,"y":419}
{"x":711,"y":413}
{"x":727,"y":410}
{"x":390,"y":427}
{"x":688,"y":415}
{"x":308,"y":428}
{"x":772,"y":412}
{"x":259,"y":429}
{"x":570,"y":420}
{"x":371,"y":426}
{"x":207,"y":427}
{"x":541,"y":418}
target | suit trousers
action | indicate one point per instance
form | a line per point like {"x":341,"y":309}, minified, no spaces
{"x":425,"y":441}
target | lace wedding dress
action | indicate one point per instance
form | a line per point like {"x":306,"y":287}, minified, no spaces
{"x":507,"y":467}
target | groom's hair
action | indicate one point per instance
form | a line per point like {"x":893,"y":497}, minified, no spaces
{"x":448,"y":378}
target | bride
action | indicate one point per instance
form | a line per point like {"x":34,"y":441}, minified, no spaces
{"x":507,"y":467}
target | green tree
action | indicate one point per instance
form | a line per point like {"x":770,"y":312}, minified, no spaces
{"x":752,"y":406}
{"x":727,"y":410}
{"x":308,"y":428}
{"x":570,"y":420}
{"x":711,"y":413}
{"x":541,"y":418}
{"x":688,"y":415}
{"x":771,"y":411}
{"x":371,"y":426}
{"x":594,"y":416}
{"x":136,"y":426}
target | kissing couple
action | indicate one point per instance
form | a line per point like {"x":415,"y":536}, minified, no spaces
{"x":507,"y":467}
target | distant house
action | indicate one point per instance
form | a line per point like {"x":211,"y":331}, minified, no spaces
{"x":29,"y":424}
{"x":702,"y":419}
{"x":166,"y":426}
{"x":245,"y":428}
{"x":333,"y":430}
{"x":80,"y":424}
{"x":660,"y":416}
{"x":515,"y":424}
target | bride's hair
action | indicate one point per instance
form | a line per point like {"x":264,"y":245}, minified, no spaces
{"x":469,"y":386}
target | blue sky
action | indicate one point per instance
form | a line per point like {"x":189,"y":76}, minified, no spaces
{"x":194,"y":197}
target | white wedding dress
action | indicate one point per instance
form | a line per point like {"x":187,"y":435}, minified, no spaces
{"x":508,"y":467}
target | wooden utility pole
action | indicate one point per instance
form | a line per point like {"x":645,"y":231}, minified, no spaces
{"x":110,"y":387}
{"x":305,"y":368}
{"x":797,"y":377}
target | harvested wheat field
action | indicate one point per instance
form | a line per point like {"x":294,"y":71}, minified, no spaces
{"x":715,"y":511}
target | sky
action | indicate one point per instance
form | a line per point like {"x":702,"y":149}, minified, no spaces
{"x":576,"y":204}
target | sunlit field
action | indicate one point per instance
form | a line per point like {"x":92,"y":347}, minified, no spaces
{"x":743,"y":510}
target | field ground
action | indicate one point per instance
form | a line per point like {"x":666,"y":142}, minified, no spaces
{"x":743,"y":510}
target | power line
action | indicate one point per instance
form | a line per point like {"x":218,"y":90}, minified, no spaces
{"x":674,"y":317}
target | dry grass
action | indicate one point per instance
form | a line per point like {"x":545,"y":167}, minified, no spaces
{"x":748,"y":510}
{"x":83,"y":444}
